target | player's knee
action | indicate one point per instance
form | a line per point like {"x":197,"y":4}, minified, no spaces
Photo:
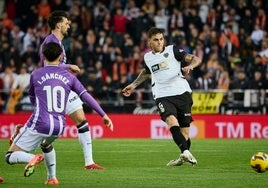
{"x":46,"y":149}
{"x":7,"y":156}
{"x":78,"y":116}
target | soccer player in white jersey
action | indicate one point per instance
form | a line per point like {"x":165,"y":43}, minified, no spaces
{"x":172,"y":93}
{"x":60,"y":24}
{"x":49,"y":90}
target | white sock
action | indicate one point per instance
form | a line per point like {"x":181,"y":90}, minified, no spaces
{"x":20,"y":157}
{"x":50,"y":163}
{"x":86,"y":142}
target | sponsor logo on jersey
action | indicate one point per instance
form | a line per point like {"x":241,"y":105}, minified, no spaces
{"x":160,"y":66}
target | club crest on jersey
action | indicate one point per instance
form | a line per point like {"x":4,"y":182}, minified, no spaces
{"x":166,"y":55}
{"x":160,"y":66}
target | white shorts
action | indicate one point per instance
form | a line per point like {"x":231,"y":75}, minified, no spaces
{"x":30,"y":140}
{"x":74,"y":103}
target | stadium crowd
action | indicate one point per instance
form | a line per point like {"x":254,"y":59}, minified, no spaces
{"x":107,"y":41}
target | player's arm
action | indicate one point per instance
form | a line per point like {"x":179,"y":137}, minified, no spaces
{"x":188,"y":61}
{"x":129,"y":89}
{"x":90,"y":101}
{"x":193,"y":61}
{"x":95,"y":106}
{"x":70,"y":67}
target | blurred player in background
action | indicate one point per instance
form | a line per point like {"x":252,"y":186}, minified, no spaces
{"x":172,"y":93}
{"x":49,"y":90}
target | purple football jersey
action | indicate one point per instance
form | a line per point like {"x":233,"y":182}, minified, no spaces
{"x":53,"y":38}
{"x":49,"y":90}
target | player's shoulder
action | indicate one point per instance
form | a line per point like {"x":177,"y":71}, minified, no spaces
{"x":51,"y":38}
{"x":169,"y":47}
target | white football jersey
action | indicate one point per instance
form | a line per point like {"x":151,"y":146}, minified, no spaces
{"x":167,"y":78}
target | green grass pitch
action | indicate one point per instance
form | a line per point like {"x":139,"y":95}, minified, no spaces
{"x":142,"y":163}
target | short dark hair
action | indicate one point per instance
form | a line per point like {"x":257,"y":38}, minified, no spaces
{"x":154,"y":31}
{"x":52,"y":51}
{"x":56,"y":17}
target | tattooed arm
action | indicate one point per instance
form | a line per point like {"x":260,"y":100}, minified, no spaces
{"x":129,"y":89}
{"x":193,"y":61}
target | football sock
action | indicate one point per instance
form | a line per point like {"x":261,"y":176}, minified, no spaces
{"x":86,"y":142}
{"x":50,"y":162}
{"x":178,"y":138}
{"x":18,"y":157}
{"x":188,"y":143}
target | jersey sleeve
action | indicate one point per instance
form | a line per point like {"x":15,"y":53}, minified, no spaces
{"x":147,"y":70}
{"x":180,"y":55}
{"x":86,"y":97}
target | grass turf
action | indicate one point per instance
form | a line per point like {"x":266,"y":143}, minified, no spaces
{"x":142,"y":163}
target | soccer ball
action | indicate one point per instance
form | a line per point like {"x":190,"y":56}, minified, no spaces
{"x":259,"y":162}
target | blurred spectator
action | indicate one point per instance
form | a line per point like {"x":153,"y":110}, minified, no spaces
{"x":109,"y":91}
{"x":229,"y":35}
{"x":257,"y":82}
{"x":6,"y":21}
{"x":192,"y":37}
{"x":149,"y":7}
{"x":94,"y":84}
{"x":86,"y":16}
{"x":101,"y":72}
{"x":17,"y":37}
{"x":131,"y":11}
{"x":139,"y":26}
{"x":135,"y":64}
{"x":256,"y":36}
{"x":19,"y":86}
{"x":203,"y":11}
{"x":161,"y":21}
{"x":28,"y":40}
{"x":82,"y":76}
{"x":176,"y":19}
{"x":119,"y":68}
{"x":207,"y":80}
{"x":261,"y":19}
{"x":240,"y":81}
{"x":213,"y":18}
{"x":247,"y":21}
{"x":43,"y":9}
{"x":127,"y":46}
{"x":223,"y":78}
{"x":119,"y":27}
{"x":7,"y":77}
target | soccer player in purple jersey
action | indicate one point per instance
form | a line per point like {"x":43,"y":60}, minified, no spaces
{"x":49,"y":90}
{"x":60,"y":24}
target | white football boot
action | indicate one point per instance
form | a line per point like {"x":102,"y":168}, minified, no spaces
{"x":175,"y":162}
{"x":186,"y":156}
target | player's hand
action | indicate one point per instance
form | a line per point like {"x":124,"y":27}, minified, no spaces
{"x":108,"y":122}
{"x":74,"y":68}
{"x":128,"y":90}
{"x":187,"y":69}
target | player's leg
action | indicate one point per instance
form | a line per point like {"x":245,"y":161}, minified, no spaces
{"x":185,"y":118}
{"x":167,"y":111}
{"x":16,"y":131}
{"x":50,"y":160}
{"x":18,"y":151}
{"x":75,"y":111}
